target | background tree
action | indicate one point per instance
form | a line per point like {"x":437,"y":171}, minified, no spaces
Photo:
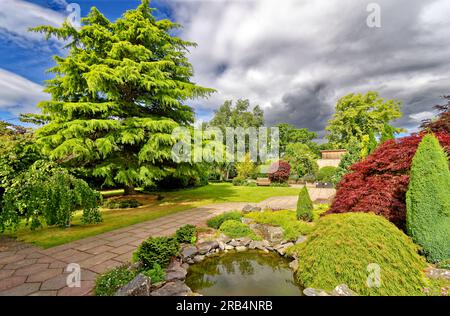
{"x":302,"y":159}
{"x":117,"y":96}
{"x":290,"y":134}
{"x":428,"y":200}
{"x":358,"y":115}
{"x":239,"y":115}
{"x":442,"y":122}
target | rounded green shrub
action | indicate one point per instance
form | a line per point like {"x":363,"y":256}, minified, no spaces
{"x":157,"y":250}
{"x":217,"y":221}
{"x":428,"y":200}
{"x":186,"y":234}
{"x":304,"y":206}
{"x":235,"y":229}
{"x":326,"y":174}
{"x":348,"y":248}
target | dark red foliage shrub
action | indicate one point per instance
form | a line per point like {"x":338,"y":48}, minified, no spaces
{"x":279,"y":171}
{"x":379,"y":183}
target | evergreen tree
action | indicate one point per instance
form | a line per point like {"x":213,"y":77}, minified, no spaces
{"x":428,"y":200}
{"x":304,"y":206}
{"x":117,"y":96}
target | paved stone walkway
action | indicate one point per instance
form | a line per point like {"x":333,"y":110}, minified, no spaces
{"x":29,"y":270}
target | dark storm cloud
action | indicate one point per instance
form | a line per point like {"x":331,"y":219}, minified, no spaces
{"x":297,"y":58}
{"x":305,"y":107}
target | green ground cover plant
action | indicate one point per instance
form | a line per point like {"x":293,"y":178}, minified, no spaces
{"x":236,"y":229}
{"x":108,"y":283}
{"x":218,"y":220}
{"x":286,"y":219}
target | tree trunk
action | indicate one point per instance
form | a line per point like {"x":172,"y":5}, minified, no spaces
{"x":129,"y":190}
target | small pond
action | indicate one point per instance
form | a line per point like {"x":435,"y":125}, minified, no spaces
{"x":251,"y":273}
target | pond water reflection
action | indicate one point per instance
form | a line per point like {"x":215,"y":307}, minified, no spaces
{"x":250,"y":273}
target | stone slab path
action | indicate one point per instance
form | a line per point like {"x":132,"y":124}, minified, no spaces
{"x":29,"y":270}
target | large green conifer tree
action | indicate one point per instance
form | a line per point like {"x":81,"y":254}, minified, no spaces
{"x":117,"y":96}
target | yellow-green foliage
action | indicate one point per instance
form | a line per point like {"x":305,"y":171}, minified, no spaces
{"x":428,"y":200}
{"x":319,"y":209}
{"x":342,"y":246}
{"x":293,"y":228}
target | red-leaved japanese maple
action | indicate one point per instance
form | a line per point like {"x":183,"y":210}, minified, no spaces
{"x":279,"y":171}
{"x":379,"y":183}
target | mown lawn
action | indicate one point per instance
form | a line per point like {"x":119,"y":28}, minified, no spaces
{"x":172,"y":202}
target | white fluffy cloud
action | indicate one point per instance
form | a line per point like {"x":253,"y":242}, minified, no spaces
{"x":296,"y":58}
{"x":16,"y":16}
{"x":19,"y":95}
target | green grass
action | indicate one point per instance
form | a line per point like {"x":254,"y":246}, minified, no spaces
{"x":236,"y":229}
{"x":342,"y":246}
{"x":292,"y":227}
{"x":172,"y":202}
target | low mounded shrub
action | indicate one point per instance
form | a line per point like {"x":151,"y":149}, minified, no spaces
{"x":235,"y":229}
{"x":217,"y":221}
{"x":346,"y":249}
{"x":326,"y":174}
{"x":186,"y":234}
{"x":114,"y":204}
{"x":108,"y":283}
{"x":428,"y":200}
{"x":304,"y":206}
{"x":157,"y":250}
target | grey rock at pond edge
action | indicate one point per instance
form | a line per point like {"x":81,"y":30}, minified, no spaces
{"x":175,"y":271}
{"x":245,"y":241}
{"x":343,"y":290}
{"x":294,"y":265}
{"x":300,"y":240}
{"x":199,"y":258}
{"x":188,"y":252}
{"x":228,"y":247}
{"x":222,"y":245}
{"x":282,"y":249}
{"x":207,"y":246}
{"x":434,"y":273}
{"x":315,"y":292}
{"x":139,"y":286}
{"x":241,"y":248}
{"x":272,"y":234}
{"x":224,"y":238}
{"x":250,"y":208}
{"x":234,"y":243}
{"x":256,"y":245}
{"x":177,"y":288}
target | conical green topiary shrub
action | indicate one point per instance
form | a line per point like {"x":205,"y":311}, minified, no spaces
{"x":428,"y":200}
{"x":304,"y":206}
